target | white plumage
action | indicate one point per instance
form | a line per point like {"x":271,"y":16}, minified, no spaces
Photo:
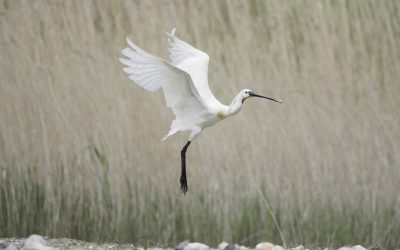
{"x":184,"y":81}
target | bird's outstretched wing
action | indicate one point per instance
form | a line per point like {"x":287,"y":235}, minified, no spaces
{"x":153,"y":73}
{"x":195,"y":63}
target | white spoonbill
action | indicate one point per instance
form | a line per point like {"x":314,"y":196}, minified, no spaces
{"x":184,"y":81}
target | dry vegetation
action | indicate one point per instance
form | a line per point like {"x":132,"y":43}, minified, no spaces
{"x":80,"y":150}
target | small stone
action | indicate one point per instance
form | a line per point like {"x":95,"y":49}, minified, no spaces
{"x":196,"y":246}
{"x":238,"y":247}
{"x":34,"y":238}
{"x":345,"y":248}
{"x":12,"y":246}
{"x":301,"y":247}
{"x":223,"y":245}
{"x":36,"y":242}
{"x":264,"y":246}
{"x":182,"y":245}
{"x":230,"y":247}
{"x":3,"y":244}
{"x":359,"y":247}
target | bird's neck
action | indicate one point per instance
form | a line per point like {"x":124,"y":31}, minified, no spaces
{"x":235,"y":106}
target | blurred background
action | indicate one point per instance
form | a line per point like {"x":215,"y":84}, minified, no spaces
{"x":80,"y":150}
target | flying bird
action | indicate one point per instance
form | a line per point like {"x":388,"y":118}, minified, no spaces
{"x":184,"y":81}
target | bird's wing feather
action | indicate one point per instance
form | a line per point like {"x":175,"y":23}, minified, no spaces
{"x":181,"y":51}
{"x":151,"y":73}
{"x":195,"y":63}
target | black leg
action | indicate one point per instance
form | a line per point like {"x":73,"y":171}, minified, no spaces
{"x":184,"y":187}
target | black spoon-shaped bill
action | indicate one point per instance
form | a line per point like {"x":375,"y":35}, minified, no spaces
{"x":266,"y":97}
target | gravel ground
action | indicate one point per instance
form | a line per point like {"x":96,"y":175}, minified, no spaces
{"x":37,"y":242}
{"x":61,"y":243}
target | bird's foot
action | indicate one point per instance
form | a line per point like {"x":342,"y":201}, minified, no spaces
{"x":184,"y":187}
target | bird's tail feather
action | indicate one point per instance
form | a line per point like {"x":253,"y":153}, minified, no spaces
{"x":174,"y":128}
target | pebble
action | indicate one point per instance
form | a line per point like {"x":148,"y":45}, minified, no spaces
{"x":359,"y":247}
{"x":3,"y":244}
{"x":36,"y":242}
{"x":196,"y":246}
{"x":223,"y":245}
{"x":7,"y":245}
{"x":235,"y":247}
{"x":12,"y":246}
{"x":182,"y":245}
{"x":301,"y":247}
{"x":230,"y":247}
{"x":264,"y":246}
{"x":356,"y":247}
{"x":238,"y":247}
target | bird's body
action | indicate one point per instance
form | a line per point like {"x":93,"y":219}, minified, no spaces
{"x":184,"y":81}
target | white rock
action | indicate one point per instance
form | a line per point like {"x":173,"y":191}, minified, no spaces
{"x":345,"y":248}
{"x":196,"y":246}
{"x":36,"y":242}
{"x":182,"y":245}
{"x":238,"y":247}
{"x":277,"y":247}
{"x":301,"y":247}
{"x":264,"y":246}
{"x":12,"y":246}
{"x":230,"y":247}
{"x":5,"y":245}
{"x":223,"y":245}
{"x":359,"y":247}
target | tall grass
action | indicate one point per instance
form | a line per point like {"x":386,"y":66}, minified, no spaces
{"x":80,"y":151}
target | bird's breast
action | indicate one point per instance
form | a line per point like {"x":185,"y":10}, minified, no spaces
{"x":221,"y":115}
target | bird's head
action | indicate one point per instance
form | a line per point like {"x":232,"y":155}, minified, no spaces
{"x":247,"y":93}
